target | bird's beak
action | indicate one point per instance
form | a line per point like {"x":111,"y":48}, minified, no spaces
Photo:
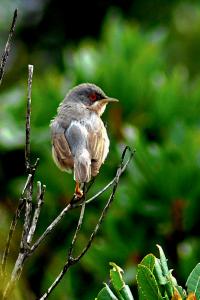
{"x":108,"y":100}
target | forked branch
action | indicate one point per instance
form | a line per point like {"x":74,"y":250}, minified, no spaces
{"x":73,"y":260}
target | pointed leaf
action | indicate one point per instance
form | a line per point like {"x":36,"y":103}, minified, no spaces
{"x":116,"y":277}
{"x":106,"y":294}
{"x":147,"y":283}
{"x":163,"y":261}
{"x":125,"y":292}
{"x":193,"y":281}
{"x":149,"y":261}
{"x":159,"y":274}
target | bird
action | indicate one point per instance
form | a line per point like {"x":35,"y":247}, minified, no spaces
{"x":80,"y":142}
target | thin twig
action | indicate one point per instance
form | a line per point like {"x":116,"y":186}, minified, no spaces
{"x":119,"y":172}
{"x":28,"y":210}
{"x":7,"y":47}
{"x":28,"y":119}
{"x":28,"y":195}
{"x":40,"y":201}
{"x":75,"y":205}
{"x":113,"y":180}
{"x":50,"y":227}
{"x":68,"y":264}
{"x":71,"y":261}
{"x":100,"y":192}
{"x":80,"y":221}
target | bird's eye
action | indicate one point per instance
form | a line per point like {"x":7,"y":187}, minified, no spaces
{"x":93,"y":97}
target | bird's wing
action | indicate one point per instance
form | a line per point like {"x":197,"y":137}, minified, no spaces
{"x":77,"y":136}
{"x":61,"y":152}
{"x":98,"y":144}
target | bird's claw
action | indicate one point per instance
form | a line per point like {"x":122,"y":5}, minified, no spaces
{"x":78,"y":191}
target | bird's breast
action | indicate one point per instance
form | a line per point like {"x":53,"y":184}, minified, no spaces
{"x":92,"y":122}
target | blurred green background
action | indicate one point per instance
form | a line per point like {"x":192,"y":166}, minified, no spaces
{"x":146,"y":54}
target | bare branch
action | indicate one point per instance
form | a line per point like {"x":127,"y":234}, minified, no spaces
{"x":80,"y":221}
{"x":74,"y":205}
{"x":119,"y":172}
{"x":50,"y":227}
{"x":113,"y":180}
{"x":28,"y":209}
{"x":68,"y":264}
{"x":40,"y":201}
{"x":28,"y":119}
{"x":7,"y":47}
{"x":27,"y":183}
{"x":70,"y":260}
{"x":101,"y":191}
{"x":27,"y":193}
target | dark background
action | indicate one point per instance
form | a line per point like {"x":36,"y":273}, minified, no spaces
{"x":146,"y":54}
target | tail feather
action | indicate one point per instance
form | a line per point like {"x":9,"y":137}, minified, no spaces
{"x":82,"y":167}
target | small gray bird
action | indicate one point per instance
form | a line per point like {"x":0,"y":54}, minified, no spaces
{"x":79,"y":137}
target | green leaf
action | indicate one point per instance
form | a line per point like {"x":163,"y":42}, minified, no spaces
{"x":141,"y":295}
{"x":125,"y":292}
{"x":149,"y":261}
{"x":106,"y":294}
{"x":158,"y":273}
{"x":193,"y":281}
{"x":163,"y":261}
{"x":166,"y":277}
{"x":147,"y":283}
{"x":116,"y":277}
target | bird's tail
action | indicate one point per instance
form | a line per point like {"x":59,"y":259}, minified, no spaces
{"x":82,"y":167}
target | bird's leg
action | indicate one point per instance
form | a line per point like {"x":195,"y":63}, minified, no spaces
{"x":78,"y":191}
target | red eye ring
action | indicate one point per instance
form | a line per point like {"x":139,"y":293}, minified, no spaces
{"x":93,"y":97}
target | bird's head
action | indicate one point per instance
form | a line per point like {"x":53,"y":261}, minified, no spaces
{"x":91,"y":96}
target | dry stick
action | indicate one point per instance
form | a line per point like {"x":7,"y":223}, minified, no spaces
{"x":74,"y":205}
{"x":101,"y":191}
{"x":20,"y":206}
{"x":113,"y":180}
{"x":7,"y":47}
{"x":50,"y":227}
{"x":78,"y":228}
{"x":28,"y":119}
{"x":119,"y":172}
{"x":40,"y":201}
{"x":71,"y":261}
{"x":29,"y":169}
{"x":24,"y":248}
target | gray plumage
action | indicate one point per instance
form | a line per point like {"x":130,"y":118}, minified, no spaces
{"x":79,"y":138}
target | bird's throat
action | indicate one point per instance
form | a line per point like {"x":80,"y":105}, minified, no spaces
{"x":98,"y":107}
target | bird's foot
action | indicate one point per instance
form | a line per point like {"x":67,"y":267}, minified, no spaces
{"x":78,"y":191}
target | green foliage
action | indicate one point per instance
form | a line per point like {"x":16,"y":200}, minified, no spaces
{"x":118,"y":287}
{"x":193,"y":281}
{"x":106,"y":294}
{"x":154,"y":280}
